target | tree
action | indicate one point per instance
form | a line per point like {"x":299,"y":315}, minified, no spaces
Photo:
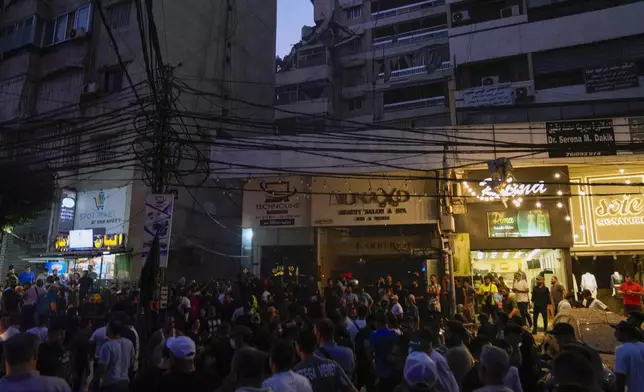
{"x":24,"y":192}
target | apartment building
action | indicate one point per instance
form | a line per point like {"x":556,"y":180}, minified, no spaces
{"x":57,"y":62}
{"x":389,"y":62}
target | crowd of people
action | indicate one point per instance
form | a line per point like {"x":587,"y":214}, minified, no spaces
{"x":255,"y":334}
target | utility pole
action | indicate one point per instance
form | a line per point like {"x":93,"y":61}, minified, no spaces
{"x":447,"y":219}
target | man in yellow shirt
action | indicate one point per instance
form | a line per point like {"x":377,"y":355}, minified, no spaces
{"x":486,"y":292}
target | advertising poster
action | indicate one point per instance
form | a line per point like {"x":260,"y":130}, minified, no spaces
{"x":158,"y":222}
{"x":102,"y":209}
{"x":518,"y":224}
{"x":276,"y":202}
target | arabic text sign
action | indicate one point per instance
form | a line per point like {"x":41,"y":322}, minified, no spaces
{"x":495,"y":95}
{"x":615,"y":77}
{"x":158,"y":222}
{"x":582,"y":138}
{"x":102,"y":242}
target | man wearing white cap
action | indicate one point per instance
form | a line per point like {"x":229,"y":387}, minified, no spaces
{"x":183,"y":374}
{"x":420,"y":376}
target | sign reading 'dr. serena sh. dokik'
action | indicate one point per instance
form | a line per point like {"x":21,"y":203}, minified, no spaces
{"x":582,"y":138}
{"x":276,"y":202}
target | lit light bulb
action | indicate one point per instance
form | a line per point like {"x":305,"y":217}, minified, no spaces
{"x":576,"y":236}
{"x":473,"y":193}
{"x":559,"y":205}
{"x":520,"y":200}
{"x":557,"y":175}
{"x":465,"y":184}
{"x":559,"y":193}
{"x":509,"y":180}
{"x":582,"y":227}
{"x":621,"y":171}
{"x":567,"y":218}
{"x":581,"y":193}
{"x":628,"y":181}
{"x":538,"y":204}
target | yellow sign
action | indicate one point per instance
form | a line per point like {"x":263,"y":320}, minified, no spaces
{"x":608,"y":216}
{"x":104,"y":242}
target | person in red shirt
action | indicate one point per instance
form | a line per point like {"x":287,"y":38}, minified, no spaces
{"x":632,"y":293}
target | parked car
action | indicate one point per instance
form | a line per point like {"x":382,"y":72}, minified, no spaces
{"x":592,"y":327}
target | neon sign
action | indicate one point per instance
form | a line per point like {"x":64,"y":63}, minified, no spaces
{"x":512,"y":189}
{"x":101,"y":242}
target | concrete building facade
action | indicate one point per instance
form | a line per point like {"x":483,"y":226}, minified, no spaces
{"x":389,"y":62}
{"x":61,"y":84}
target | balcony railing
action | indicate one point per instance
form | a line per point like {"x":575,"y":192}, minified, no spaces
{"x":417,"y":103}
{"x":405,"y":9}
{"x":412,"y":36}
{"x":411,"y":71}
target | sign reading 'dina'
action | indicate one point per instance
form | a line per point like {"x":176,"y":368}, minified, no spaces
{"x":583,"y":138}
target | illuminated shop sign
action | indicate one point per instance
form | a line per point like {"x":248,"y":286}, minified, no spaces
{"x":518,"y":224}
{"x":101,"y":242}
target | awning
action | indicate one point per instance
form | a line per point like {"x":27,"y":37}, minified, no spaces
{"x":35,"y":260}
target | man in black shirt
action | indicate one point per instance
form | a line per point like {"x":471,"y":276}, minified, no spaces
{"x":540,"y":302}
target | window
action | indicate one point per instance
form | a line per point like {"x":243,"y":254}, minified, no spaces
{"x":18,"y":34}
{"x":104,"y":147}
{"x":118,"y":15}
{"x":355,"y":104}
{"x":354,"y":12}
{"x":60,"y":29}
{"x":113,"y":80}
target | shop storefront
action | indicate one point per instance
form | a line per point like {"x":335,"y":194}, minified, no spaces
{"x":277,"y":237}
{"x":92,"y":233}
{"x":371,"y":227}
{"x":608,"y":227}
{"x":520,"y":226}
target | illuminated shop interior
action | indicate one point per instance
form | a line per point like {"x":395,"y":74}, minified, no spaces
{"x":504,"y":263}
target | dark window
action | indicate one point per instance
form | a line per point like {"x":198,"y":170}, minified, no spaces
{"x":113,"y":80}
{"x":355,"y":104}
{"x":543,"y":10}
{"x":559,"y":79}
{"x":354,"y":12}
{"x":118,"y":15}
{"x":414,"y":93}
{"x":104,"y":147}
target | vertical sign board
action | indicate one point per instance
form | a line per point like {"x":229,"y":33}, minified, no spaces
{"x":67,"y":210}
{"x":158,"y":221}
{"x":636,"y":130}
{"x":583,"y":138}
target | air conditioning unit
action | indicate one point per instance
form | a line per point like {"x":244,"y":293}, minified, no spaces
{"x":512,"y":10}
{"x":460,"y":16}
{"x":77,"y":33}
{"x":489,"y":80}
{"x":90,"y":88}
{"x":523,"y":94}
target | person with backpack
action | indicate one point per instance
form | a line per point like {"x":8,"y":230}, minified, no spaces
{"x":354,"y":326}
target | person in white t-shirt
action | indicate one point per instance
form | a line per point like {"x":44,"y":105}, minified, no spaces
{"x":283,"y":378}
{"x":593,"y":303}
{"x":521,"y":289}
{"x":396,"y":309}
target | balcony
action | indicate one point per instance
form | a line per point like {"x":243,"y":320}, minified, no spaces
{"x":415,"y":104}
{"x":319,"y":106}
{"x":410,"y":37}
{"x":406,"y":73}
{"x":406,"y":9}
{"x":578,"y":29}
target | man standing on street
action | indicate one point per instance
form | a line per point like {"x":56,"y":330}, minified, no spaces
{"x":521,"y":289}
{"x":540,"y":301}
{"x":557,"y":292}
{"x":632,"y":293}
